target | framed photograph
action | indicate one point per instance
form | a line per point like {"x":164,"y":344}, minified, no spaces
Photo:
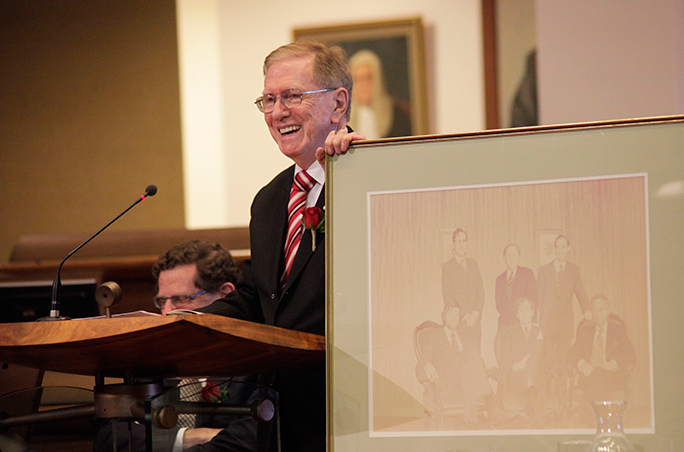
{"x":383,"y":106}
{"x":465,"y":300}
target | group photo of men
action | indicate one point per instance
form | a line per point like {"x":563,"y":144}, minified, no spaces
{"x":518,"y":314}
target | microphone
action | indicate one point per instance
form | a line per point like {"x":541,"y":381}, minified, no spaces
{"x":151,"y":190}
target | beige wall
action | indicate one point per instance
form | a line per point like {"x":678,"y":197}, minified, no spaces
{"x":90,"y":105}
{"x":89,"y":116}
{"x":609,"y":59}
{"x":234,"y":36}
{"x":515,"y":38}
{"x":89,"y":96}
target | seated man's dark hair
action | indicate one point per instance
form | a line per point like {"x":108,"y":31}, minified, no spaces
{"x":215,"y":265}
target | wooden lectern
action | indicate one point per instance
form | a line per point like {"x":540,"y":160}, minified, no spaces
{"x":172,"y":346}
{"x":194,"y":345}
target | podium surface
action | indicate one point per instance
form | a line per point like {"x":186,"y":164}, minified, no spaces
{"x":193,"y":345}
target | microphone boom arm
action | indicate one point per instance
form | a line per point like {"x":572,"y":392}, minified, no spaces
{"x":151,"y":190}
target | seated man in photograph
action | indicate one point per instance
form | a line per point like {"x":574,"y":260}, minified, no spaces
{"x":603,"y":355}
{"x":455,"y":368}
{"x":190,"y":276}
{"x":520,"y":357}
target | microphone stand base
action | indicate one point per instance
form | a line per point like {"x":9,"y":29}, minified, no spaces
{"x":48,"y":319}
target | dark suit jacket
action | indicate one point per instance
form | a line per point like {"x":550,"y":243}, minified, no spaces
{"x":462,"y":287}
{"x":618,"y":347}
{"x":555,"y":297}
{"x":239,"y":434}
{"x":462,"y":377}
{"x":524,"y":284}
{"x":513,"y":347}
{"x":465,"y":288}
{"x":447,"y":359}
{"x":300,"y":306}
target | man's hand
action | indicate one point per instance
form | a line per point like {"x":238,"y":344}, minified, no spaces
{"x":521,"y":365}
{"x":195,"y":436}
{"x":337,"y":142}
{"x":431,"y":372}
{"x":471,"y":319}
{"x":585,"y":367}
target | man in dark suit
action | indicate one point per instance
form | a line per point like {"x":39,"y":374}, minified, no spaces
{"x":305,"y":101}
{"x":189,"y":276}
{"x":512,"y":284}
{"x":462,"y":285}
{"x":558,"y":282}
{"x":520,"y":356}
{"x":454,"y":368}
{"x":603,"y":355}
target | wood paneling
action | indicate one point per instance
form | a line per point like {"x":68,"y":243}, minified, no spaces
{"x":90,"y":116}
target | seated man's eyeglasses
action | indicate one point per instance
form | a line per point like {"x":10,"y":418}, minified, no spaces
{"x":181,"y":298}
{"x":292,"y":98}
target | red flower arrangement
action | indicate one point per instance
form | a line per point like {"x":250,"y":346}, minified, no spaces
{"x":211,"y":392}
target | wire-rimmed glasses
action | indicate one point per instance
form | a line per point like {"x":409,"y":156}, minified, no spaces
{"x":291,"y":98}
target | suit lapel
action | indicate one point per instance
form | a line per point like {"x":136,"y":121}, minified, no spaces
{"x":305,"y":250}
{"x":277,"y":229}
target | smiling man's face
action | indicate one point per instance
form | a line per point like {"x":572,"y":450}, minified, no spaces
{"x":301,"y":130}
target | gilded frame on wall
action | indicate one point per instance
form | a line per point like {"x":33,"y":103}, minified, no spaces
{"x":393,"y":47}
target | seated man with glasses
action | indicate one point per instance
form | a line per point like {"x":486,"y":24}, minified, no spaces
{"x":190,"y":276}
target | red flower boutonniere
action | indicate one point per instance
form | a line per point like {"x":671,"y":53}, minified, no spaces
{"x":314,"y":220}
{"x":213,"y":393}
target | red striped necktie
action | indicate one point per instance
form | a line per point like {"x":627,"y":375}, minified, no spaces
{"x":301,"y":185}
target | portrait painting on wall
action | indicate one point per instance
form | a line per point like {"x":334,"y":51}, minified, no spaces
{"x":387,"y":62}
{"x":509,"y":308}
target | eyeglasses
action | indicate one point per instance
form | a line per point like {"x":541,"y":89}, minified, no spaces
{"x":292,"y":98}
{"x":176,"y":299}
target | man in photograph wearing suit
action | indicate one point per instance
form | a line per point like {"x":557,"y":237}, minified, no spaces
{"x":520,"y":359}
{"x":454,"y":368}
{"x":603,"y":355}
{"x":558,"y":282}
{"x":462,"y":285}
{"x":190,"y":276}
{"x":512,"y":284}
{"x":305,"y":101}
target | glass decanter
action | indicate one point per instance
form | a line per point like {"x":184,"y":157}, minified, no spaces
{"x":609,"y":434}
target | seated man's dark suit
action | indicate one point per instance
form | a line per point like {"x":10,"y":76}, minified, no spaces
{"x":604,"y":384}
{"x":462,"y":378}
{"x":446,"y":358}
{"x":240,"y":434}
{"x":515,"y":345}
{"x":299,"y":306}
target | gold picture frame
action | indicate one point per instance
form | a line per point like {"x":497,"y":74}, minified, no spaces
{"x":399,"y":47}
{"x":385,"y":261}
